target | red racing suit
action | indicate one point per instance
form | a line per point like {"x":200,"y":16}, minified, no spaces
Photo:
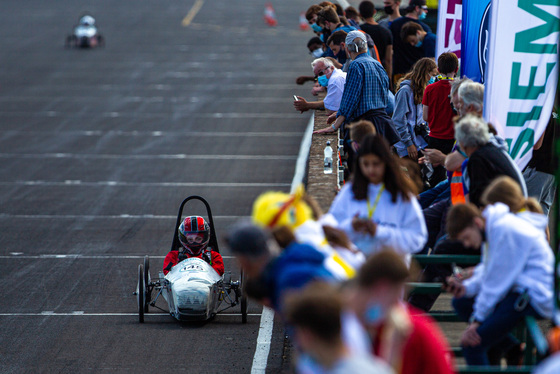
{"x":212,"y":257}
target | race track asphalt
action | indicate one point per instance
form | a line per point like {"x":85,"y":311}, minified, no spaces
{"x":99,"y":147}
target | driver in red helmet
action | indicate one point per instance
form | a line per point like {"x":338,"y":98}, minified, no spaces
{"x":194,"y":235}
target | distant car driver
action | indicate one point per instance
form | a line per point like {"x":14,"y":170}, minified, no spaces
{"x":194,"y":235}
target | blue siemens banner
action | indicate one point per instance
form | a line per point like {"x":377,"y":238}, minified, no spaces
{"x":474,"y":38}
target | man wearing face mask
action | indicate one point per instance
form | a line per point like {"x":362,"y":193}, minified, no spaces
{"x":392,"y":10}
{"x":327,"y":76}
{"x":311,"y":16}
{"x":316,"y":47}
{"x":408,"y":340}
{"x":413,"y":34}
{"x":366,"y":92}
{"x":404,"y":54}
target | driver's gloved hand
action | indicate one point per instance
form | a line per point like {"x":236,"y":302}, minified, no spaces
{"x":207,"y":256}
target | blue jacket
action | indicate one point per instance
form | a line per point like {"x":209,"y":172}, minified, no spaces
{"x":296,"y":266}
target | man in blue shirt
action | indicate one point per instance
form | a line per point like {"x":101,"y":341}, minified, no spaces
{"x":329,"y":20}
{"x":412,"y":33}
{"x":405,"y":55}
{"x":366,"y":91}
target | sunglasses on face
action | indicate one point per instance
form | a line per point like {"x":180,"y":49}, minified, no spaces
{"x":322,"y":72}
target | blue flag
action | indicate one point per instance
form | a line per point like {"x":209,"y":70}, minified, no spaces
{"x":474,"y":38}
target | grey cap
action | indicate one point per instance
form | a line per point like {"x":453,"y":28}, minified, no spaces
{"x":355,"y":34}
{"x":247,"y":239}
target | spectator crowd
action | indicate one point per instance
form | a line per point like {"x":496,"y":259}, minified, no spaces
{"x":426,"y":175}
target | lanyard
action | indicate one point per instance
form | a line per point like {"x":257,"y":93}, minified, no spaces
{"x":445,"y":78}
{"x":371,"y":209}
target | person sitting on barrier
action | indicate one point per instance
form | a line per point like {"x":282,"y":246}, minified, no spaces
{"x":194,"y":235}
{"x":410,"y":341}
{"x":514,"y":279}
{"x":315,"y":316}
{"x":379,"y":207}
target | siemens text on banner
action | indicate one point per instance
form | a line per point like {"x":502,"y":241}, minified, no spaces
{"x":522,"y":72}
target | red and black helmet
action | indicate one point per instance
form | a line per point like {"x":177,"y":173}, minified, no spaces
{"x":194,"y":234}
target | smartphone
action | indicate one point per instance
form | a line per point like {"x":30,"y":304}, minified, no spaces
{"x":295,"y":98}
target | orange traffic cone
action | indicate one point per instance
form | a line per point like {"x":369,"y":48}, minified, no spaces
{"x":270,"y":15}
{"x":303,"y":24}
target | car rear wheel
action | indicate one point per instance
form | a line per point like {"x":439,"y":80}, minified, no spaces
{"x":243,"y":298}
{"x":147,"y":280}
{"x":141,"y":293}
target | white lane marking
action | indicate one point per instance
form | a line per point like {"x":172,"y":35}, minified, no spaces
{"x":82,"y":313}
{"x":260,"y":359}
{"x":18,"y":255}
{"x":220,"y":74}
{"x":143,"y":184}
{"x":173,"y":134}
{"x":192,"y":13}
{"x":147,"y":115}
{"x":168,"y":87}
{"x":146,"y":157}
{"x":90,"y":217}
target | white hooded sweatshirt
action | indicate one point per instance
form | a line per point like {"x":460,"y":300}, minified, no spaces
{"x":517,"y":258}
{"x":400,"y":225}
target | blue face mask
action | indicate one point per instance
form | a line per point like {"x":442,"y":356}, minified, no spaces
{"x":432,"y":80}
{"x":317,"y":53}
{"x":419,"y":44}
{"x":422,"y":16}
{"x":323,"y":80}
{"x":374,"y":314}
{"x":316,"y":27}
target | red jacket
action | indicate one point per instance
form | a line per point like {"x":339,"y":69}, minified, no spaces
{"x":426,"y":351}
{"x":216,"y":260}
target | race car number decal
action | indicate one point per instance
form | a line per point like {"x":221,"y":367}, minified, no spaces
{"x":192,"y":267}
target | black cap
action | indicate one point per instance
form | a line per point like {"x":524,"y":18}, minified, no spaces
{"x":247,"y":239}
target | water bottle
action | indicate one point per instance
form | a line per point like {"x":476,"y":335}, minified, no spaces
{"x":328,"y":159}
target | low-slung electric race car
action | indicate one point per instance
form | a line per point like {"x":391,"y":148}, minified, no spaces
{"x":193,"y":289}
{"x":85,"y":34}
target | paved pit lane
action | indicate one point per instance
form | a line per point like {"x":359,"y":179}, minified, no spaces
{"x":98,"y":148}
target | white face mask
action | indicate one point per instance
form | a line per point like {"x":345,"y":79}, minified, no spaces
{"x":317,"y":53}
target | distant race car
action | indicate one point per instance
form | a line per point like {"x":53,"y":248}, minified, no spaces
{"x":85,"y":34}
{"x":193,"y":289}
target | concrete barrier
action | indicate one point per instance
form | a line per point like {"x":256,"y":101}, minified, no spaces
{"x":323,"y":187}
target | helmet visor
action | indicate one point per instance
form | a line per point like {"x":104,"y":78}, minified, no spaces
{"x":194,"y":238}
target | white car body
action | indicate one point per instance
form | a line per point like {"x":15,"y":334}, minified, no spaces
{"x":85,"y":31}
{"x":191,"y":290}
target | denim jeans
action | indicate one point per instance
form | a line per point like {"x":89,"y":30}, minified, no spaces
{"x":495,"y":330}
{"x":441,"y":191}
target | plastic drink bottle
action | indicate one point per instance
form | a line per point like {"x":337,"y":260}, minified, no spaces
{"x":327,"y":166}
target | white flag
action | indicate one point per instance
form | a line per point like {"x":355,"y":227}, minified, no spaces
{"x":449,"y":27}
{"x":522,"y":71}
